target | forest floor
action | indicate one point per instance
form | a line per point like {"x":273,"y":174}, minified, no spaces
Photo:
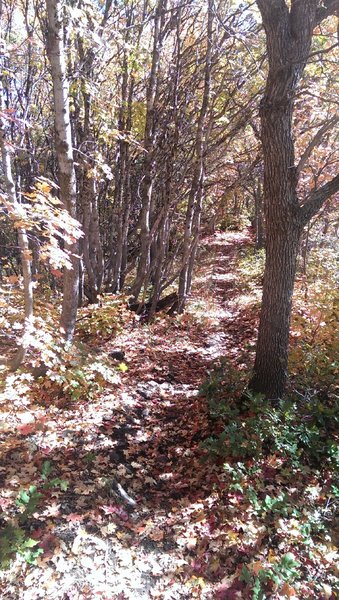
{"x":131,"y":505}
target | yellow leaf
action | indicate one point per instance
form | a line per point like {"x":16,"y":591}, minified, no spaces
{"x":109,"y":529}
{"x":43,"y":187}
{"x":233,"y":537}
{"x":271,"y":557}
{"x":195,"y":581}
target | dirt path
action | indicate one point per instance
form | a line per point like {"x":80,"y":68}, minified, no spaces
{"x":160,"y":427}
{"x":137,"y":520}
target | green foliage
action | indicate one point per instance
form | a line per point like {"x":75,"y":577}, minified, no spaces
{"x":280,"y":505}
{"x":84,"y":381}
{"x":55,"y":482}
{"x":105,"y":320}
{"x":286,"y":570}
{"x":314,"y":352}
{"x":279,"y":466}
{"x":222,"y":381}
{"x":89,"y":458}
{"x":297,"y":430}
{"x":13,"y":539}
{"x":251,"y":266}
{"x":232,"y":222}
{"x":28,"y":500}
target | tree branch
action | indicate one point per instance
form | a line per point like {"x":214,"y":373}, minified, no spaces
{"x":315,"y":142}
{"x":269,"y":8}
{"x":331,"y":7}
{"x":317,"y":198}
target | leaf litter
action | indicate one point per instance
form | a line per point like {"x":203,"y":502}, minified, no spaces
{"x":143,"y":512}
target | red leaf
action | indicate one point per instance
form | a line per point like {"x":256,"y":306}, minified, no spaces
{"x":26,"y":428}
{"x":74,"y":518}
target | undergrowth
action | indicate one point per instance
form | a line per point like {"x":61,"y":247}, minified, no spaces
{"x":280,"y":465}
{"x":15,"y":537}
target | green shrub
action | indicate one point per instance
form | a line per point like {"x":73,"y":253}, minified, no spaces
{"x":298,"y":429}
{"x":286,"y":570}
{"x":13,"y":541}
{"x":13,"y":537}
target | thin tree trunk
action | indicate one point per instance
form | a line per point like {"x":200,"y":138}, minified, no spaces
{"x":121,"y":199}
{"x":91,"y":244}
{"x":64,"y":152}
{"x":15,"y":213}
{"x":193,"y":211}
{"x":143,"y":270}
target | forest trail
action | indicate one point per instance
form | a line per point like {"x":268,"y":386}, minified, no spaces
{"x":163,"y":418}
{"x":160,"y":420}
{"x":115,"y":485}
{"x":162,"y":415}
{"x":138,"y":517}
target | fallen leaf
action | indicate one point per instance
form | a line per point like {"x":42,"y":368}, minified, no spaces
{"x":156,"y":535}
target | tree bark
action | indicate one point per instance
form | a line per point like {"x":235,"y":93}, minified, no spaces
{"x":193,"y":212}
{"x":91,"y":243}
{"x":121,"y":195}
{"x":64,"y":152}
{"x":16,"y":215}
{"x":143,"y":269}
{"x":289,"y":35}
{"x":25,"y":253}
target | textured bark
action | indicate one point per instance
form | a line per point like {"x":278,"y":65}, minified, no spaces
{"x":289,"y":35}
{"x":91,"y":243}
{"x":121,"y":189}
{"x":168,"y":192}
{"x":193,"y":212}
{"x":64,"y":152}
{"x":16,"y":215}
{"x":143,"y":270}
{"x":92,"y":249}
{"x":259,"y":218}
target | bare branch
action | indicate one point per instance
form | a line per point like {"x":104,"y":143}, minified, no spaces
{"x":315,"y":142}
{"x":331,"y":7}
{"x":317,"y":198}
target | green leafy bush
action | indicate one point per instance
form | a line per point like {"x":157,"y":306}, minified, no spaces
{"x":272,"y":576}
{"x":79,"y":374}
{"x":13,"y":536}
{"x":13,"y":540}
{"x":297,"y":430}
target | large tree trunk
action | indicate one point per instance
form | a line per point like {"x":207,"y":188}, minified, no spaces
{"x":64,"y":151}
{"x":259,"y":218}
{"x":289,"y":35}
{"x":272,"y":347}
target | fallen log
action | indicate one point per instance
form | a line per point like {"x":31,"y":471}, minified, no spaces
{"x":164,"y":303}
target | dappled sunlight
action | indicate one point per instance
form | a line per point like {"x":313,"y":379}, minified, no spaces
{"x":131,"y":496}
